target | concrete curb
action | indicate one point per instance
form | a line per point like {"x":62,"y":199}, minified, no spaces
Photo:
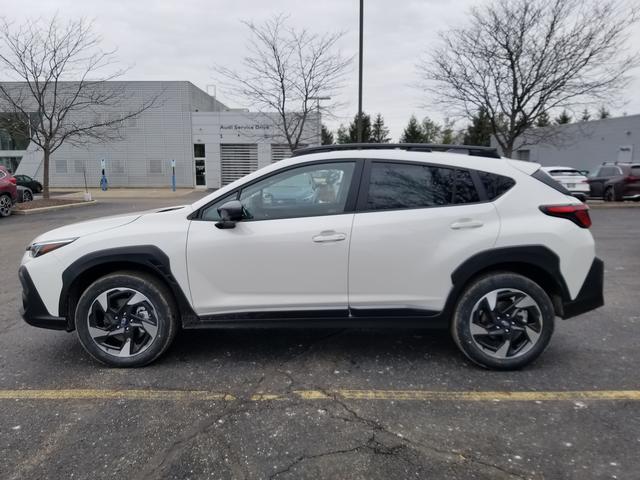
{"x":597,"y":206}
{"x":52,"y":208}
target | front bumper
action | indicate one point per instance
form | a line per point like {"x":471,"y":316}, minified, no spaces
{"x":591,"y":294}
{"x":33,"y":310}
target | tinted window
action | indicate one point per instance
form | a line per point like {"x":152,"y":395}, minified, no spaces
{"x":211,"y":212}
{"x":548,"y":180}
{"x":311,"y":190}
{"x":465,"y":191}
{"x":635,"y":171}
{"x":397,"y":186}
{"x":495,"y":185}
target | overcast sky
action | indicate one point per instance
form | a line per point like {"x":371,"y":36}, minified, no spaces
{"x":181,"y":40}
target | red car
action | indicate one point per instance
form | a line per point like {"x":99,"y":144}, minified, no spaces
{"x":8,"y":192}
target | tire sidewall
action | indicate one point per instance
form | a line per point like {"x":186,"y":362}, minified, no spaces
{"x":462,"y":318}
{"x":157,"y":295}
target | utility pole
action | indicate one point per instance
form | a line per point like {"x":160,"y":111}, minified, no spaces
{"x":317,"y":99}
{"x":359,"y":123}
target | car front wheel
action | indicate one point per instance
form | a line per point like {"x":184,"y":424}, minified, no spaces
{"x":5,"y":205}
{"x":126,"y":319}
{"x":503,"y":321}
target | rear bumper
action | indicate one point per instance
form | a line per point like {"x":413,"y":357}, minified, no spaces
{"x":591,"y":294}
{"x":33,"y":310}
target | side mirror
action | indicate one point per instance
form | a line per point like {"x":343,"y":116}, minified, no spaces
{"x":230,"y":213}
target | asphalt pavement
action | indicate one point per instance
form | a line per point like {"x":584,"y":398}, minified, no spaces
{"x":345,"y":403}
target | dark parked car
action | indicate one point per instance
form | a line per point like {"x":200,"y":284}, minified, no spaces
{"x":616,"y":182}
{"x":31,"y":183}
{"x":24,"y":194}
{"x":8,"y":192}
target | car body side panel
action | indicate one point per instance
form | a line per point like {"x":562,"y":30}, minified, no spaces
{"x":524,"y":224}
{"x":404,"y":258}
{"x":166,"y":230}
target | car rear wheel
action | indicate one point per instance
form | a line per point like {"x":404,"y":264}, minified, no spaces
{"x":126,"y":319}
{"x":5,"y":205}
{"x":503,"y":321}
{"x":610,"y":195}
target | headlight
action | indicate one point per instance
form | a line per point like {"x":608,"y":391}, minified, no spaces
{"x":40,"y":248}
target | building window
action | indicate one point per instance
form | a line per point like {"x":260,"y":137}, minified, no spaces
{"x":154,"y":166}
{"x":116,"y":166}
{"x":78,"y":165}
{"x":61,"y":165}
{"x":198,"y":150}
{"x":237,"y":160}
{"x":524,"y":155}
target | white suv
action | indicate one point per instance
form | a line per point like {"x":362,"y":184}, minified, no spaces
{"x":338,"y":236}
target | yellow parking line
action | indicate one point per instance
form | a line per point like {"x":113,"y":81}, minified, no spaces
{"x":311,"y":395}
{"x":103,"y":394}
{"x":482,"y":396}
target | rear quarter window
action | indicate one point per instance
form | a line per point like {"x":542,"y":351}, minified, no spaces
{"x":545,"y":178}
{"x":496,"y":185}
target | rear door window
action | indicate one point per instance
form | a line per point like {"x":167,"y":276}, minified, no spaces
{"x":395,"y":186}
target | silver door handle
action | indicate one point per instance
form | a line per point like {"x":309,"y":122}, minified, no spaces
{"x":329,"y":236}
{"x":466,"y":223}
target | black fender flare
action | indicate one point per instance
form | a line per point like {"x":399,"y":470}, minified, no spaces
{"x":148,"y":257}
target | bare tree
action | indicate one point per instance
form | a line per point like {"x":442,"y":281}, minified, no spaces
{"x":53,"y":92}
{"x":285,"y":71}
{"x":518,"y":60}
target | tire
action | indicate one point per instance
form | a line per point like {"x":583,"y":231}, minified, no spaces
{"x":27,"y":196}
{"x":610,"y":195}
{"x":5,"y":205}
{"x":126,"y":319}
{"x":481,"y":332}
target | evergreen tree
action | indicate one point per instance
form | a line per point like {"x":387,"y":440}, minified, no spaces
{"x":479,"y":132}
{"x":448,"y":135}
{"x":326,"y":137}
{"x":379,"y":132}
{"x":413,"y":132}
{"x":366,"y":129}
{"x":585,"y":116}
{"x":431,"y":131}
{"x":543,"y":120}
{"x":563,"y":118}
{"x":343,"y":136}
{"x":603,"y":113}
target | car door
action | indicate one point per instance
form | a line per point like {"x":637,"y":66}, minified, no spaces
{"x":290,"y":253}
{"x":597,"y":181}
{"x":414,"y":225}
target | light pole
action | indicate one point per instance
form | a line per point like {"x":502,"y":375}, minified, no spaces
{"x":359,"y":122}
{"x":317,"y":99}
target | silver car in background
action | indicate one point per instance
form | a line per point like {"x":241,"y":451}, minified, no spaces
{"x":573,"y":180}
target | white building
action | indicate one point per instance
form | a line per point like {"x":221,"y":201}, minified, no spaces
{"x":211,"y":144}
{"x":584,"y":145}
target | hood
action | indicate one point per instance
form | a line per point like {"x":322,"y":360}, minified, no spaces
{"x":88,"y":227}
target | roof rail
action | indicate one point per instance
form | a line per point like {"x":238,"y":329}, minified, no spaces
{"x":472,"y":150}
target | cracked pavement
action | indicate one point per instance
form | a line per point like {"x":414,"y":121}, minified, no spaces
{"x":268,"y":432}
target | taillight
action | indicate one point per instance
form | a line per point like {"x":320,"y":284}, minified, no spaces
{"x":578,"y":214}
{"x":12,"y":180}
{"x":631,"y":179}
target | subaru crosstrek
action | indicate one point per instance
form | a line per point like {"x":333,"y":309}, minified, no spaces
{"x":386,"y":236}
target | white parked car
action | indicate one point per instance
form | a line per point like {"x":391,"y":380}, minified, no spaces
{"x":339,"y":236}
{"x":573,"y":180}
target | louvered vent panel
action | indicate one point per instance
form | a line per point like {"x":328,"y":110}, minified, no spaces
{"x":237,"y":160}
